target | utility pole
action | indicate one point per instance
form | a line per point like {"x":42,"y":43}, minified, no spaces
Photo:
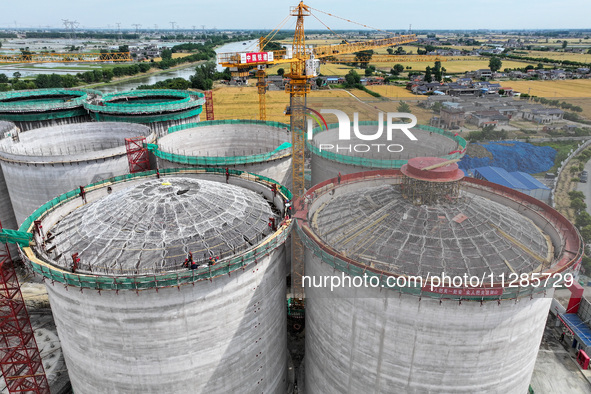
{"x":71,"y":25}
{"x":137,"y":28}
{"x":172,"y":25}
{"x":119,"y":35}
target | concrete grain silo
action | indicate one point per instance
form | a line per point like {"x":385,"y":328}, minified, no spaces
{"x":255,"y":146}
{"x":398,"y":325}
{"x":43,"y":163}
{"x":159,"y":109}
{"x":7,"y":130}
{"x":133,"y":318}
{"x":32,"y":109}
{"x":329,"y":155}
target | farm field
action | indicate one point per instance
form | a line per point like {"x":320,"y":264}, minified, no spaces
{"x":174,"y":56}
{"x":550,"y":89}
{"x":243,"y":103}
{"x":575,"y":57}
{"x":452,"y":66}
{"x":395,"y":92}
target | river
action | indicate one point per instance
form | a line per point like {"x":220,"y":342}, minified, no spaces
{"x":185,"y":72}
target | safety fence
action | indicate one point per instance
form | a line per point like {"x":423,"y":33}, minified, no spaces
{"x":183,"y":100}
{"x":278,"y":125}
{"x":381,"y":163}
{"x":155,"y":280}
{"x":552,"y":278}
{"x":40,"y":116}
{"x":41,"y":99}
{"x":281,"y":151}
{"x":133,"y":118}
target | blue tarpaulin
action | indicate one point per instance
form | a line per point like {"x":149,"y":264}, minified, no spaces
{"x":581,"y":330}
{"x":512,"y":156}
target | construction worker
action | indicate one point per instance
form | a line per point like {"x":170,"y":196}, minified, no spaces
{"x":339,"y":178}
{"x":83,"y":194}
{"x":274,"y":188}
{"x":227,"y":174}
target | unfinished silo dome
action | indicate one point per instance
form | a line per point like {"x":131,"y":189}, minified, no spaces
{"x":397,"y":234}
{"x":53,"y":160}
{"x":168,"y":283}
{"x":158,"y":108}
{"x":32,"y":109}
{"x":260,"y":147}
{"x":178,"y":216}
{"x":331,"y":154}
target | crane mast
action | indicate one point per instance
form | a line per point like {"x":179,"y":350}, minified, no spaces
{"x":298,"y":87}
{"x":303,"y":64}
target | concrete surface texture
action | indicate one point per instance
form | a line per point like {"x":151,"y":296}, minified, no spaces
{"x":44,"y":163}
{"x":556,"y":371}
{"x":224,"y":335}
{"x":231,"y":140}
{"x":427,"y":144}
{"x":155,"y":122}
{"x":7,"y":218}
{"x":362,"y":340}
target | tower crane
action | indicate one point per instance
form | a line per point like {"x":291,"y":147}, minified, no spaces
{"x":304,"y":64}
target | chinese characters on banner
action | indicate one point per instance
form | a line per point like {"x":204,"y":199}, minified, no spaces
{"x":255,"y":57}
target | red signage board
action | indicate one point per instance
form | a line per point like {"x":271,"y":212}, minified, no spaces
{"x":256,"y":57}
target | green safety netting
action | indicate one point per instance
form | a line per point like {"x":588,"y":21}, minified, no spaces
{"x":42,"y":100}
{"x":380,"y":163}
{"x":282,"y":150}
{"x":184,"y":100}
{"x":278,"y":125}
{"x":131,"y":118}
{"x":279,"y":152}
{"x":33,"y":117}
{"x":167,"y":279}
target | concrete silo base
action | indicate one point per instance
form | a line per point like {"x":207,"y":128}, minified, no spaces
{"x":205,"y":337}
{"x":364,"y":340}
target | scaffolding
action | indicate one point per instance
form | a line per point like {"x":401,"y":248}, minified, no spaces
{"x":67,"y":57}
{"x":150,"y":276}
{"x":428,"y":193}
{"x":20,"y":360}
{"x":153,"y":102}
{"x":43,"y":100}
{"x":209,"y":105}
{"x":372,"y":230}
{"x":137,"y":154}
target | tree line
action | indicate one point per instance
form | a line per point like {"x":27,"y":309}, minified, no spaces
{"x":43,"y":81}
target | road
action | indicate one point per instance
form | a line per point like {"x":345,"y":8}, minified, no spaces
{"x":586,"y":188}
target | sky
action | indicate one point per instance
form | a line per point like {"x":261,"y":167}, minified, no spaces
{"x":257,"y":14}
